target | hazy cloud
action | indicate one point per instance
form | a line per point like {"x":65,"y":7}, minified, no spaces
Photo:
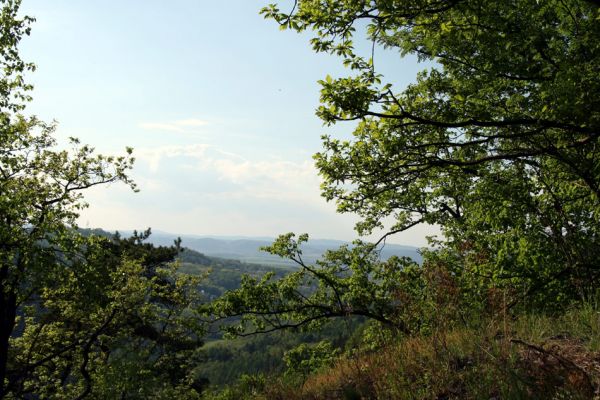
{"x":202,"y":189}
{"x":153,"y":156}
{"x":263,"y":179}
{"x":182,"y":125}
{"x":190,"y":122}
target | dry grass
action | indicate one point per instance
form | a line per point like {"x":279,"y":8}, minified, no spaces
{"x":496,"y":362}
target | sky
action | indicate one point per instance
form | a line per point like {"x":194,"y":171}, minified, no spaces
{"x":217,"y":102}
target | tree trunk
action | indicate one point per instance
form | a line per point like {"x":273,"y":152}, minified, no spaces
{"x":8,"y":312}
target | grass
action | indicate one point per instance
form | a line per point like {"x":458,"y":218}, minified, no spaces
{"x":532,"y":357}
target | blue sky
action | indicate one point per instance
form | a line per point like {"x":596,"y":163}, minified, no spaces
{"x":217,"y":103}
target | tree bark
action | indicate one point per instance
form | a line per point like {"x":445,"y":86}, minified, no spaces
{"x":8,"y":312}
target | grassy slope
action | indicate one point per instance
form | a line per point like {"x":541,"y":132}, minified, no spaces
{"x":532,"y":357}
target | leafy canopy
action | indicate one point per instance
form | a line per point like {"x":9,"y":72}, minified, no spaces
{"x":498,"y":143}
{"x":79,"y":316}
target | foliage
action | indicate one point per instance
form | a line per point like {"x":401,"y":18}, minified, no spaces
{"x":498,"y":142}
{"x":346,"y":282}
{"x":114,"y":323}
{"x":13,"y":89}
{"x":222,"y":274}
{"x":79,"y":316}
{"x":306,"y":359}
{"x":248,"y":387}
{"x":223,"y":361}
{"x":552,"y":357}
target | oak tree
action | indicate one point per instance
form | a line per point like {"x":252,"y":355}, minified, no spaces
{"x":497,"y":141}
{"x":79,"y":316}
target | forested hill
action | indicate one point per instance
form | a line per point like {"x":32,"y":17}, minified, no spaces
{"x":248,"y":249}
{"x":223,"y":273}
{"x":189,"y":255}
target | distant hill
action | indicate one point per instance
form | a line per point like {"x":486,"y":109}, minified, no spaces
{"x":247,"y":249}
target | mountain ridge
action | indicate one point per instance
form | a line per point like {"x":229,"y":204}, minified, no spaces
{"x":247,"y":249}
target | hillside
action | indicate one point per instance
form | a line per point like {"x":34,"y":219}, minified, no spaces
{"x":248,"y":249}
{"x":532,"y":357}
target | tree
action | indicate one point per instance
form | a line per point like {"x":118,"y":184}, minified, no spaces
{"x":350,"y":282}
{"x":306,"y":359}
{"x":497,"y":142}
{"x":115,"y":322}
{"x":76,"y":311}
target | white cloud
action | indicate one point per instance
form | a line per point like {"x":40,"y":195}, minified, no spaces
{"x":161,"y":127}
{"x":181,"y":126}
{"x":283,"y":181}
{"x":153,"y":156}
{"x":273,"y":179}
{"x":240,"y":171}
{"x":190,"y":122}
{"x":203,"y":190}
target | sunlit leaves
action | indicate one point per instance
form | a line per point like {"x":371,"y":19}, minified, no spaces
{"x":349,"y":281}
{"x":75,"y":309}
{"x":498,"y":143}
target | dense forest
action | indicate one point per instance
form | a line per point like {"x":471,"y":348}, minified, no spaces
{"x":497,"y":142}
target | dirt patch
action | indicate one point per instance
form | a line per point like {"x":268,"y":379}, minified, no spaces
{"x":561,"y":363}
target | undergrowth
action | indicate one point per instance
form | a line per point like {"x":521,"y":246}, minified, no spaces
{"x":534,"y":356}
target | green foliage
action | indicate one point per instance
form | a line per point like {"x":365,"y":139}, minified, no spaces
{"x":222,"y":274}
{"x":252,"y":383}
{"x":13,"y":89}
{"x":497,"y":143}
{"x":248,"y":387}
{"x":225,"y":361}
{"x":306,"y":359}
{"x":79,"y":316}
{"x":116,"y":321}
{"x":346,"y":282}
